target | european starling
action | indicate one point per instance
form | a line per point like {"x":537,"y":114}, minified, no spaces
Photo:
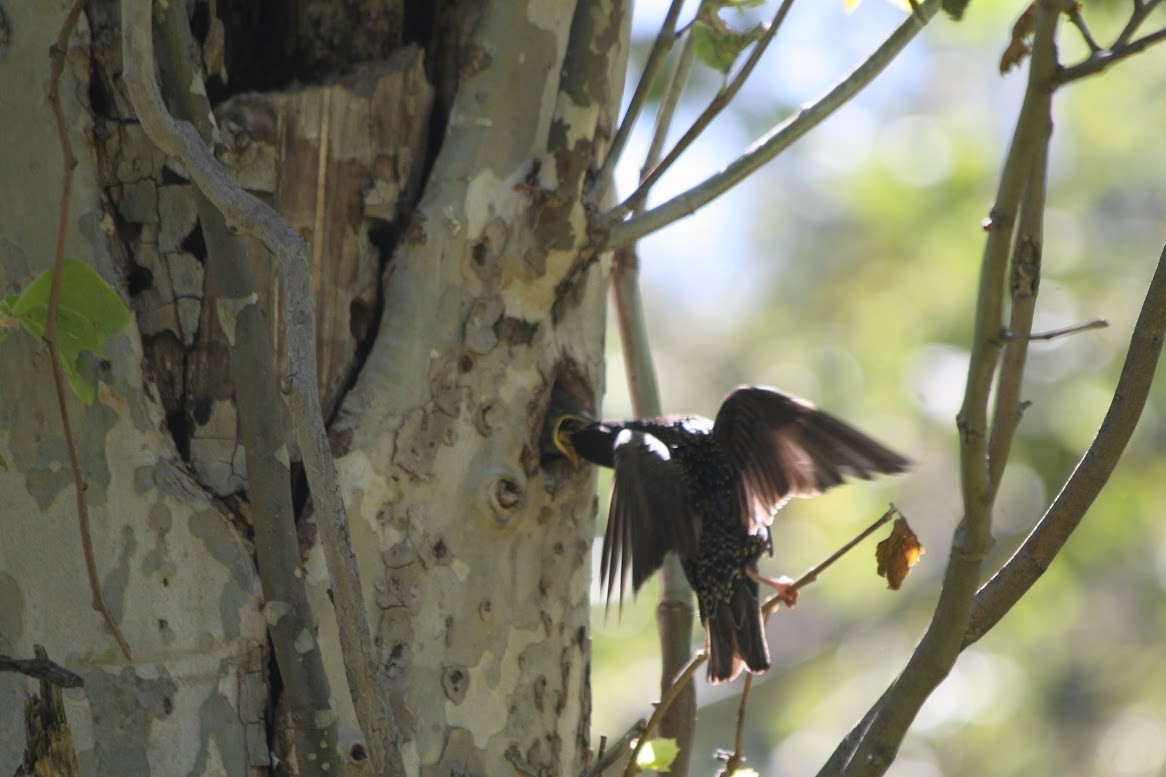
{"x":708,"y":490}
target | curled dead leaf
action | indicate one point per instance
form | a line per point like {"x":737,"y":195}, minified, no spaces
{"x":1018,"y":47}
{"x":897,"y":554}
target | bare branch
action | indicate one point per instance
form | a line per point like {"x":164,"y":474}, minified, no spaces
{"x":609,"y":757}
{"x":779,"y":139}
{"x":245,"y":212}
{"x":636,"y":199}
{"x":1010,"y":336}
{"x":660,"y":49}
{"x":1039,"y":549}
{"x":1025,"y":282}
{"x":42,"y":669}
{"x":665,"y":702}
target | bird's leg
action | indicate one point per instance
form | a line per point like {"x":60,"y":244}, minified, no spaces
{"x":788,"y":596}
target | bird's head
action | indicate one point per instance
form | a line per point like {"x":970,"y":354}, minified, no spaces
{"x":565,"y":427}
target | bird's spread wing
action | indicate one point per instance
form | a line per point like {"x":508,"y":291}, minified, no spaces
{"x":779,"y":447}
{"x":649,"y":513}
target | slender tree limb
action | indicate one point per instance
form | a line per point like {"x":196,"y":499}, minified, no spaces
{"x":608,"y":757}
{"x":246,"y":213}
{"x":42,"y":669}
{"x":669,"y":101}
{"x":257,"y":395}
{"x":1037,"y":552}
{"x":57,"y":56}
{"x":1101,"y":60}
{"x":779,"y":139}
{"x":1010,"y":336}
{"x":1078,"y":21}
{"x":876,"y":747}
{"x":811,"y":575}
{"x":722,"y":98}
{"x":674,"y":691}
{"x":1142,"y":9}
{"x":1027,"y":247}
{"x":660,"y":48}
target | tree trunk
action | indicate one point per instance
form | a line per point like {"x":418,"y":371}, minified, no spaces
{"x":440,"y":186}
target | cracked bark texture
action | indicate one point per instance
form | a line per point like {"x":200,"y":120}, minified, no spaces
{"x":439,"y":178}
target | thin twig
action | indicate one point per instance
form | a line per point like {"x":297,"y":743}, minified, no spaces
{"x":812,"y":574}
{"x":664,"y":40}
{"x":722,"y":98}
{"x":1142,"y":9}
{"x":1053,"y":334}
{"x":665,"y":702}
{"x":779,"y":139}
{"x":736,"y":759}
{"x":1025,"y":272}
{"x":1103,"y":59}
{"x":1078,"y":21}
{"x":57,"y":64}
{"x":42,"y":669}
{"x":606,"y":758}
{"x":669,"y":101}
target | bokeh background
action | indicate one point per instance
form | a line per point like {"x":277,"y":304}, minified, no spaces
{"x":845,"y":272}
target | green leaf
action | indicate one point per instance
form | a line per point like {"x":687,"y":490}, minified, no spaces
{"x":745,"y":773}
{"x":718,"y":45}
{"x":90,"y":312}
{"x":658,"y":754}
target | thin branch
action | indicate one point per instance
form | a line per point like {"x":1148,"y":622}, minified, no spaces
{"x":42,"y":669}
{"x":56,"y":65}
{"x":660,"y":49}
{"x":937,"y":651}
{"x":244,"y":212}
{"x":812,"y":574}
{"x":669,"y":101}
{"x":636,"y":199}
{"x":779,"y":139}
{"x":737,"y":759}
{"x":1142,"y":9}
{"x":1011,"y":336}
{"x":1103,"y":59}
{"x":1067,"y":510}
{"x":1025,"y":282}
{"x":607,"y":758}
{"x":1078,"y":21}
{"x":665,"y":702}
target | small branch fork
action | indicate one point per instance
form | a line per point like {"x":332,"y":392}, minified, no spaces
{"x":57,"y":56}
{"x":1100,"y":58}
{"x":613,"y":230}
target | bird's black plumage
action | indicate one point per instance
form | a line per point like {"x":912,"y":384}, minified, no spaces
{"x":708,"y":490}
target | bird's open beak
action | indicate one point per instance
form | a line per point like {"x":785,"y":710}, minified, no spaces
{"x":565,"y":426}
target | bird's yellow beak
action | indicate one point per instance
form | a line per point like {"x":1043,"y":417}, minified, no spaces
{"x":565,"y":426}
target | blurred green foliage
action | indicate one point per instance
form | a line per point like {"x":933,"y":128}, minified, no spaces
{"x":865,"y":240}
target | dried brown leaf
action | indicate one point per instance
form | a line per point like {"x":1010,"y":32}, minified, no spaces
{"x":1018,"y":47}
{"x":897,"y":554}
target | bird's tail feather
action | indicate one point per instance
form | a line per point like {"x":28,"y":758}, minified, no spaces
{"x":736,"y":634}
